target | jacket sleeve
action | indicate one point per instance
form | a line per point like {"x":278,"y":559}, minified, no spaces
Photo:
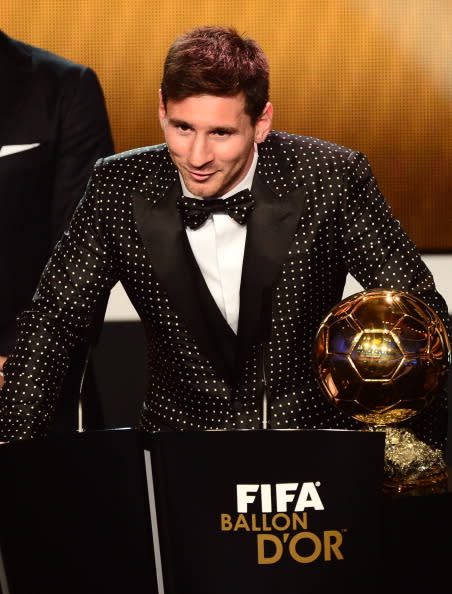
{"x":378,"y":252}
{"x":85,"y":137}
{"x":77,"y":275}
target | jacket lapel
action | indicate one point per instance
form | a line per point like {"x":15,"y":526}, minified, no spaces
{"x":270,"y":232}
{"x":161,"y":229}
{"x":271,"y":229}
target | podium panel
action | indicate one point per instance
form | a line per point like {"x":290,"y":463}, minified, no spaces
{"x":223,"y":512}
{"x":74,"y":515}
{"x":268,"y":511}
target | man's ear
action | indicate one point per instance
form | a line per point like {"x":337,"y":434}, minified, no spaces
{"x":161,"y":110}
{"x":264,"y":123}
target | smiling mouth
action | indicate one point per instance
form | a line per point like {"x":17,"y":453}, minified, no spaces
{"x":200,"y":176}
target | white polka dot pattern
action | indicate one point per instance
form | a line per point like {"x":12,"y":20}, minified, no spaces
{"x":344,"y":225}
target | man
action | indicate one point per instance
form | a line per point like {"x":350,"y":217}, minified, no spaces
{"x":53,"y":127}
{"x":230,"y":305}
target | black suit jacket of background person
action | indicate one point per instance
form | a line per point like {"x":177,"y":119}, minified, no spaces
{"x":319,"y":215}
{"x":58,"y":107}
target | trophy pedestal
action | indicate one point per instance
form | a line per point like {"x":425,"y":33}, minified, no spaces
{"x":411,"y":465}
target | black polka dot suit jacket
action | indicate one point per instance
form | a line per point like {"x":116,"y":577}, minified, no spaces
{"x":319,"y":215}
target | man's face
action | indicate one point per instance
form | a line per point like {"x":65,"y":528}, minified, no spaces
{"x":211,"y":140}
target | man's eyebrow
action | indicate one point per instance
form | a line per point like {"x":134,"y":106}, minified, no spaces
{"x":177,"y":122}
{"x":224,"y":129}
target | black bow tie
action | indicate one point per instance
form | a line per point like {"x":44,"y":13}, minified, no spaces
{"x":195,"y":211}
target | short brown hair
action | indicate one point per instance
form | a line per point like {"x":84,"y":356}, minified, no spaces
{"x":218,"y":61}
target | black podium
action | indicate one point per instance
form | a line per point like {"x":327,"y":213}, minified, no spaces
{"x":274,"y":512}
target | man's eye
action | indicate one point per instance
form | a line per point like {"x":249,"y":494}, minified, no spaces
{"x":221,"y":132}
{"x":183,"y":127}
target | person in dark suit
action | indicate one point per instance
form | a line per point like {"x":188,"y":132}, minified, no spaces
{"x":53,"y":127}
{"x":227,"y":237}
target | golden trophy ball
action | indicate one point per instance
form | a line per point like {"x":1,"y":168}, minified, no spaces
{"x":381,"y":356}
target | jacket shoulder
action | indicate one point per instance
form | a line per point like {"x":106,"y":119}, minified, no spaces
{"x":41,"y":63}
{"x":157,"y":152}
{"x":148,"y":169}
{"x":296,"y":144}
{"x":286,"y":160}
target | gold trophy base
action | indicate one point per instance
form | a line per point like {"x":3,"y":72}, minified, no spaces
{"x":411,"y":467}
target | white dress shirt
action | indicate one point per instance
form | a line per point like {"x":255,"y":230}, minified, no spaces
{"x":218,"y":246}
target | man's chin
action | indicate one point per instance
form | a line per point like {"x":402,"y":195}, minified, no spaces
{"x":202,"y":190}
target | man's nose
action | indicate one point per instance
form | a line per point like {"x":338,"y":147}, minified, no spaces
{"x":200,"y":152}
